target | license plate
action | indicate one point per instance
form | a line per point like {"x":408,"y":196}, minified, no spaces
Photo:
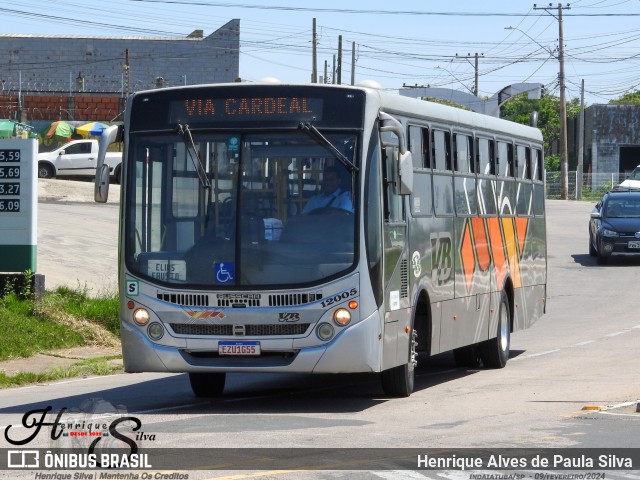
{"x":242,"y":349}
{"x":634,"y":245}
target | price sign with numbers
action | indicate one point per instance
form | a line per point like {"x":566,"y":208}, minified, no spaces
{"x":18,"y":204}
{"x":9,"y":172}
{"x":9,"y":155}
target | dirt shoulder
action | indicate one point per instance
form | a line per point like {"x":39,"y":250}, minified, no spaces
{"x":59,"y":190}
{"x":67,"y":357}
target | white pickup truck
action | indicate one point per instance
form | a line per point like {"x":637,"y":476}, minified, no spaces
{"x":77,"y":159}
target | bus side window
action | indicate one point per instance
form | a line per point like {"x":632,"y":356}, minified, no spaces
{"x":415,"y":146}
{"x":463,"y":153}
{"x":426,"y":150}
{"x":511,"y":160}
{"x":493,"y":158}
{"x":441,"y":150}
{"x":419,"y":146}
{"x":521,"y":162}
{"x":486,"y":161}
{"x":537,"y":164}
{"x":505,"y":159}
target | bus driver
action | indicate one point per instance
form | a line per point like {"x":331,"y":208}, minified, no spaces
{"x":331,"y":196}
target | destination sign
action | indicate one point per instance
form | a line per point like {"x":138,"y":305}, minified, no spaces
{"x":9,"y":172}
{"x":9,"y":155}
{"x":250,"y":108}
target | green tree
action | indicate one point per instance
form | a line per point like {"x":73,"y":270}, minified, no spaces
{"x":519,"y":109}
{"x":632,"y":98}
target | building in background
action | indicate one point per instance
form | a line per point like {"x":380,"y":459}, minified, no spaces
{"x":612,"y":138}
{"x":73,"y":78}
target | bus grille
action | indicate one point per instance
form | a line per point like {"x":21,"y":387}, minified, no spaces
{"x":250,"y":330}
{"x":404,"y":279}
{"x":185,"y":299}
{"x":288,"y":299}
{"x":239,"y":302}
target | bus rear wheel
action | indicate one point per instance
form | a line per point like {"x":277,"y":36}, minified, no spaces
{"x":399,"y":381}
{"x":207,"y":385}
{"x":495,"y":351}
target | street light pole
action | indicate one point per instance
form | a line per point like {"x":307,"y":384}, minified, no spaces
{"x":564,"y":155}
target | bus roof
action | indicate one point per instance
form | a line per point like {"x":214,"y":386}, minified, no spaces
{"x":395,"y":103}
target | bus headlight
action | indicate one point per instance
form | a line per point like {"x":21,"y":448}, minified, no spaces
{"x":324,"y":331}
{"x":141,"y":316}
{"x":342,"y":316}
{"x":155,"y":331}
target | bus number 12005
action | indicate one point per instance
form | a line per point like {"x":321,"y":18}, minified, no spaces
{"x":339,"y":297}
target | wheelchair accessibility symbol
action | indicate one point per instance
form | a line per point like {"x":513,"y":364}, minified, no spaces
{"x":225,"y":272}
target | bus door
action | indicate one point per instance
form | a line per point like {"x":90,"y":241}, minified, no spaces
{"x":397,"y":312}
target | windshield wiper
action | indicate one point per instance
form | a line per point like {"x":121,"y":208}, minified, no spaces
{"x":187,"y":138}
{"x":315,"y":134}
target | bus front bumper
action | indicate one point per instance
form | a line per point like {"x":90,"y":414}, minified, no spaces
{"x":355,"y":349}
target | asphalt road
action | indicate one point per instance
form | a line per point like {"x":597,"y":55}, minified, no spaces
{"x":77,"y":238}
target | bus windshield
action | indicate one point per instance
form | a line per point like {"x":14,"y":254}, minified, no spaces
{"x":235,"y":209}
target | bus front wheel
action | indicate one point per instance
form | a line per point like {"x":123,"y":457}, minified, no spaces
{"x":207,"y":384}
{"x":495,"y":351}
{"x":398,"y":381}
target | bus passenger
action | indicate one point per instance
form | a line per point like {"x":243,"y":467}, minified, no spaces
{"x":331,"y":196}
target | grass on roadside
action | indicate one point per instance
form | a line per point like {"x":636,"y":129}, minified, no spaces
{"x":93,"y":366}
{"x":62,"y":318}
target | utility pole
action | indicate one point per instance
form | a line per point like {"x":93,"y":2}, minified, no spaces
{"x":580,"y":145}
{"x":314,"y":60}
{"x":476,"y":70}
{"x":564,"y":155}
{"x":475,"y":84}
{"x":353,"y":63}
{"x":127,"y":73}
{"x":333,"y":70}
{"x":339,"y":82}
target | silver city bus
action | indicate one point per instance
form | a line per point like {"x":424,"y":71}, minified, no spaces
{"x":322,"y":229}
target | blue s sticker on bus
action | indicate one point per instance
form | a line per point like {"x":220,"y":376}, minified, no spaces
{"x":225,"y":271}
{"x":133,"y":288}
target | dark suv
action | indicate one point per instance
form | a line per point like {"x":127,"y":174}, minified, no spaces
{"x":614,"y":228}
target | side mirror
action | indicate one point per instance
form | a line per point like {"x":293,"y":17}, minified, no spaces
{"x":61,"y":152}
{"x":595,"y":214}
{"x":405,"y":173}
{"x":101,"y":186}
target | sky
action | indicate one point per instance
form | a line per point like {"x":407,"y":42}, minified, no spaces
{"x":396,"y":43}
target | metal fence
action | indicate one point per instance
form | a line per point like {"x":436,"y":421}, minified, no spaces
{"x":593,"y":184}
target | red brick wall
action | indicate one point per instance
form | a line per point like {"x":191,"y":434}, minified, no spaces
{"x":96,"y":108}
{"x":60,"y":107}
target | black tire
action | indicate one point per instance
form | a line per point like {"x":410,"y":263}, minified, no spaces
{"x":468,"y":356}
{"x":117,"y":174}
{"x":495,"y":351}
{"x":601,"y":259}
{"x":399,"y":381}
{"x":45,"y":170}
{"x":207,"y":385}
{"x":592,"y":250}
